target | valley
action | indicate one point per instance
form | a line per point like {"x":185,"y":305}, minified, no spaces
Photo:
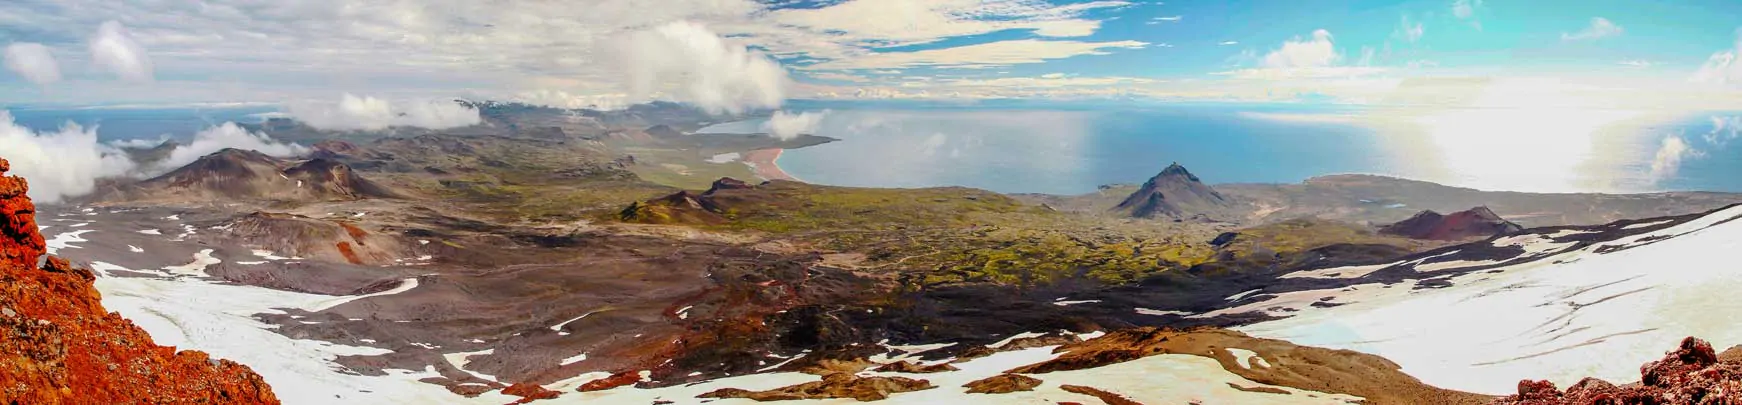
{"x":541,"y":255}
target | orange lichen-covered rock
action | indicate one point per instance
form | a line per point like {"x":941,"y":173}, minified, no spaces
{"x":1691,"y":374}
{"x":59,"y":346}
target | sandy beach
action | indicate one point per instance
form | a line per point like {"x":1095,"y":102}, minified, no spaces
{"x":765,"y":163}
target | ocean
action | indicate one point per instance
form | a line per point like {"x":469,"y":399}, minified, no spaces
{"x":1073,"y":148}
{"x":1030,"y":149}
{"x":138,"y":123}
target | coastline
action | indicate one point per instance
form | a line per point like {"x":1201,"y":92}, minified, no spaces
{"x":766,"y":164}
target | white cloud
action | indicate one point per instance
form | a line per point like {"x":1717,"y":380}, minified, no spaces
{"x":693,"y":64}
{"x":1721,"y":68}
{"x":564,"y":99}
{"x":1003,"y":53}
{"x":1409,"y":31}
{"x":229,"y":135}
{"x":370,"y":113}
{"x":910,"y":22}
{"x":1317,"y":51}
{"x":1724,"y":130}
{"x":1305,"y":58}
{"x":1670,"y":155}
{"x":33,"y":62}
{"x":1226,"y":43}
{"x":60,"y":164}
{"x":1600,"y":28}
{"x":787,"y":126}
{"x":1639,"y":63}
{"x":112,"y":48}
{"x":262,"y":50}
{"x":1159,"y":20}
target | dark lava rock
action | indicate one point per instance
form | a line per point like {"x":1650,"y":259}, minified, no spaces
{"x":905,"y":366}
{"x":1003,"y":384}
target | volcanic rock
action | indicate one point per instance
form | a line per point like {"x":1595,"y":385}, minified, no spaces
{"x":1002,"y":384}
{"x":1691,"y":374}
{"x":840,"y":385}
{"x":58,"y":345}
{"x":237,"y":174}
{"x":1174,"y":193}
{"x":529,"y":392}
{"x":1108,"y":397}
{"x":1479,"y":222}
{"x":914,"y":368}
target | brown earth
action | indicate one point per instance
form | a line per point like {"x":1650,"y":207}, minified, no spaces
{"x":1308,"y":368}
{"x":61,"y":347}
{"x":832,"y":386}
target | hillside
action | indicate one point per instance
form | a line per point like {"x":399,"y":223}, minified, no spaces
{"x":63,"y":347}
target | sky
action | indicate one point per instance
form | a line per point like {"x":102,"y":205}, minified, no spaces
{"x":738,"y":55}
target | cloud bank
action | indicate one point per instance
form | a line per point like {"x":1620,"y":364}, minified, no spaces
{"x":229,"y":135}
{"x":366,"y":113}
{"x":33,"y":62}
{"x":787,"y":126}
{"x":690,"y":63}
{"x":113,"y":49}
{"x":60,"y":164}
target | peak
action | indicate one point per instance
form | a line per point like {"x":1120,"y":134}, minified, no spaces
{"x":1176,"y":170}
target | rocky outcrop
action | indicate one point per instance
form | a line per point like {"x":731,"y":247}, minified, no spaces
{"x":905,"y":366}
{"x":1174,"y":193}
{"x":1104,"y":396}
{"x":326,"y":178}
{"x":684,"y":207}
{"x":1474,"y":223}
{"x":59,"y":346}
{"x":1691,"y":374}
{"x":1284,"y":364}
{"x":840,"y":385}
{"x":1002,"y":384}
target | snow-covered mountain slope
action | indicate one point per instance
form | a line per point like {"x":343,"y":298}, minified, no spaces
{"x":1560,"y":304}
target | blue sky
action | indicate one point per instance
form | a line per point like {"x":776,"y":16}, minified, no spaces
{"x":740,"y":54}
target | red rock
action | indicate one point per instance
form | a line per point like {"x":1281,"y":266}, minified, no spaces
{"x":1691,"y":374}
{"x":614,"y":381}
{"x":59,"y":346}
{"x":529,"y":392}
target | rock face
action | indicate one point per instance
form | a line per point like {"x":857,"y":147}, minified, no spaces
{"x":1474,"y":223}
{"x":1691,"y":374}
{"x":59,"y":346}
{"x":841,"y":385}
{"x":1174,"y":193}
{"x":1002,"y":384}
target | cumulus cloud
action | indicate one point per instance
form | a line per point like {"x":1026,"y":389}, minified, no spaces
{"x":693,"y":64}
{"x":229,"y":135}
{"x":1721,"y":68}
{"x":1317,"y":51}
{"x":113,"y":49}
{"x":1465,"y":9}
{"x":59,"y":164}
{"x":1724,"y":130}
{"x":1670,"y":155}
{"x":1600,"y":28}
{"x":1159,"y":20}
{"x":354,"y":113}
{"x":33,"y":62}
{"x":785,"y":125}
{"x":1314,"y":57}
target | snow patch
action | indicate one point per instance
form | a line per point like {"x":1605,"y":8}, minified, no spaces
{"x":1147,"y":311}
{"x":404,"y":286}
